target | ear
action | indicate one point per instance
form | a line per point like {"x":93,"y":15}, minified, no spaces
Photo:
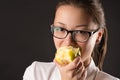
{"x":100,"y":34}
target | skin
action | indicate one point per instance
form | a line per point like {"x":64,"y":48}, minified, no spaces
{"x":73,"y":18}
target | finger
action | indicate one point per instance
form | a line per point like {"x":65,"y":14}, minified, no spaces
{"x":79,"y":71}
{"x":84,"y":75}
{"x":80,"y":65}
{"x":73,"y":65}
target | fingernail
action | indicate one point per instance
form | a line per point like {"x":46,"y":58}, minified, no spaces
{"x":78,"y":62}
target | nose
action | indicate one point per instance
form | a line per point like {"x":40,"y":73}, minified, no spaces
{"x":69,"y":41}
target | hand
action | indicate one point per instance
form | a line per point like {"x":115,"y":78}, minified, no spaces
{"x":72,"y":71}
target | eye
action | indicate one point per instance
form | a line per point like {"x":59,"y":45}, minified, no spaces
{"x":59,"y":29}
{"x":81,"y":32}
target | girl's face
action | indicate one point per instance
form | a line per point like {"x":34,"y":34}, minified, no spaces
{"x":73,"y":18}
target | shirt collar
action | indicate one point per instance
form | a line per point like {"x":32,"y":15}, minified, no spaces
{"x":91,"y":70}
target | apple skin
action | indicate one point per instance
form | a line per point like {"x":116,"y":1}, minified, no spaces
{"x":66,"y":54}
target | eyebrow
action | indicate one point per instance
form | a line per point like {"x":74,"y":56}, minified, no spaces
{"x":61,"y":23}
{"x":81,"y":25}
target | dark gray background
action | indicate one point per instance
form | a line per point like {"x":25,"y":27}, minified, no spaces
{"x":25,"y":35}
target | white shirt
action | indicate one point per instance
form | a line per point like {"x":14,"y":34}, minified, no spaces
{"x":49,"y":71}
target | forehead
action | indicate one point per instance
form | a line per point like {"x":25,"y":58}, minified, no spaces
{"x":72,"y":16}
{"x":72,"y":13}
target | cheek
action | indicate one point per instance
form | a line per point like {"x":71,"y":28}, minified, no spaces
{"x":57,"y":42}
{"x":87,"y":48}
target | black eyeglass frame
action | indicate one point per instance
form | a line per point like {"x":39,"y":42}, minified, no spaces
{"x":73,"y":31}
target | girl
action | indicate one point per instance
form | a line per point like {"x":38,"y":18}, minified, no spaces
{"x":80,"y":23}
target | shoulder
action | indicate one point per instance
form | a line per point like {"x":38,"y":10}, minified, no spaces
{"x":105,"y":76}
{"x":38,"y":68}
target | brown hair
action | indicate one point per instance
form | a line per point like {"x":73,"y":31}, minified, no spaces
{"x":95,"y":10}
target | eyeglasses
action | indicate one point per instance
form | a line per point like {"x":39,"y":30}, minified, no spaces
{"x":77,"y":35}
